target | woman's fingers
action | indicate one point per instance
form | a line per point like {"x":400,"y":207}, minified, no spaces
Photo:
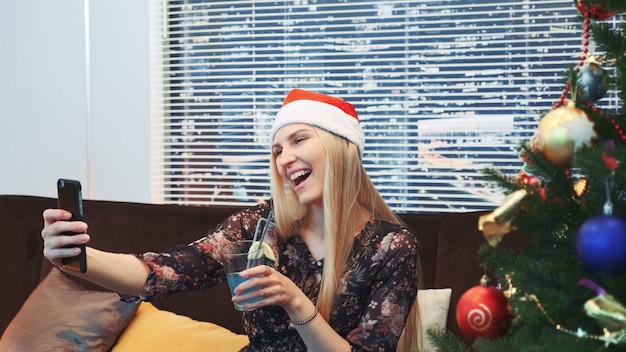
{"x":55,"y":223}
{"x":268,"y":284}
{"x":53,"y":215}
{"x":58,"y":237}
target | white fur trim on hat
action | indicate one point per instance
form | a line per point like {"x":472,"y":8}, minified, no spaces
{"x":331,"y":114}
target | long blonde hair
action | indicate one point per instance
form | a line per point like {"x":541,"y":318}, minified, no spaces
{"x":347,"y":189}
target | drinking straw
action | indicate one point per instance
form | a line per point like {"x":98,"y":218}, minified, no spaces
{"x":266,"y":224}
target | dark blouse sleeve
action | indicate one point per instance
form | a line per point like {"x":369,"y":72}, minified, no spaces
{"x":393,"y":293}
{"x":196,"y":265}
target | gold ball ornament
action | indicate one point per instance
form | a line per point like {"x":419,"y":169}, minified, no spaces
{"x":563,"y":132}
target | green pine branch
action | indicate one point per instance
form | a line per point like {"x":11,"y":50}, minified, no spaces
{"x":447,"y":341}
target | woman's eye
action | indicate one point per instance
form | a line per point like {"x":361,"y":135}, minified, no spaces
{"x":277,"y":152}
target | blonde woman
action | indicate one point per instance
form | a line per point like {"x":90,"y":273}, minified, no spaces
{"x":347,"y":271}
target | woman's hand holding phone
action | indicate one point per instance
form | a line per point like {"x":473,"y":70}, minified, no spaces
{"x":64,"y":231}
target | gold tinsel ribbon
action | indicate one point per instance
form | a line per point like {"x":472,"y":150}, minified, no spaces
{"x":609,"y":337}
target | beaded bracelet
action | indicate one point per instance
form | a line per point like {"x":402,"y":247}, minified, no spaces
{"x":293,"y":324}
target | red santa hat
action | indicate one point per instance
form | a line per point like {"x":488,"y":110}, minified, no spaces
{"x":326,"y":112}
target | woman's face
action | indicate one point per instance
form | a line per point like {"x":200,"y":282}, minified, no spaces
{"x":301,"y":161}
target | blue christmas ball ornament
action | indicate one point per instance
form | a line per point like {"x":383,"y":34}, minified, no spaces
{"x":593,"y":82}
{"x":601,"y":245}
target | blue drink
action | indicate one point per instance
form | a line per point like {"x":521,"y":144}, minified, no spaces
{"x":234,"y":280}
{"x":238,"y":257}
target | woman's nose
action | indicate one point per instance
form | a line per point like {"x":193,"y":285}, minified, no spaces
{"x":286,"y":157}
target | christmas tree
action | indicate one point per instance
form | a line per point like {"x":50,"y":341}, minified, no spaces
{"x":566,"y":291}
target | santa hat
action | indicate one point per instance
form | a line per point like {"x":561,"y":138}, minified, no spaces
{"x":329,"y":113}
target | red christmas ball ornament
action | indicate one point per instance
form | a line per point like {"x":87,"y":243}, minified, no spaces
{"x":484,"y":311}
{"x":610,"y":161}
{"x":537,"y":184}
{"x":596,"y":10}
{"x":527,"y":179}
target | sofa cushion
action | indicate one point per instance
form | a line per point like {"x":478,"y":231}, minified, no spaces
{"x":426,"y":228}
{"x":153,"y":329}
{"x":21,"y":245}
{"x":433,"y":308}
{"x":67,"y":314}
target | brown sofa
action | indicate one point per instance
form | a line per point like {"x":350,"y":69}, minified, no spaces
{"x":450,"y":242}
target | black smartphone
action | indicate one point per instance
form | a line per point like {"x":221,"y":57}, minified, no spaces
{"x":70,"y":198}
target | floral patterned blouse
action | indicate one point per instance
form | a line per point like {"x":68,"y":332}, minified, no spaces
{"x":377,"y":290}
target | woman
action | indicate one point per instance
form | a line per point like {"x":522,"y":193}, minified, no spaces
{"x":347,"y":272}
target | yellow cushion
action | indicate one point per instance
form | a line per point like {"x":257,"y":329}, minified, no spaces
{"x":153,"y":329}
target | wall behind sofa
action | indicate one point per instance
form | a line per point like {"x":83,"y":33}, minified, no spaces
{"x":48,"y":102}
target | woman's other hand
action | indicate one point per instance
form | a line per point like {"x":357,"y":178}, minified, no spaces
{"x":275,"y":289}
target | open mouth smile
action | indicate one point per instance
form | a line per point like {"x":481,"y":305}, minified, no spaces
{"x":299,"y":176}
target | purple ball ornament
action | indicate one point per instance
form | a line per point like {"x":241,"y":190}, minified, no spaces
{"x":601,"y":245}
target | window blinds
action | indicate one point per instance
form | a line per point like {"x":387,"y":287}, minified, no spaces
{"x":444,"y":89}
